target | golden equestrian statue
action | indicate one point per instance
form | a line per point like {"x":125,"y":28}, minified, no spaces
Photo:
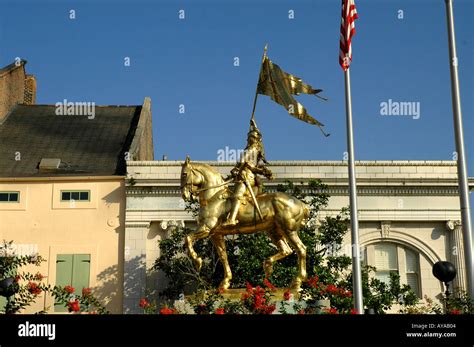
{"x":243,"y":210}
{"x":246,"y":209}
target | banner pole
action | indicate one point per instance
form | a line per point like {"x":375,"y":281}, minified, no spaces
{"x":256,"y":89}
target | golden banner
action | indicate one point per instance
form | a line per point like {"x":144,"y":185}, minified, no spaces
{"x":281,"y":86}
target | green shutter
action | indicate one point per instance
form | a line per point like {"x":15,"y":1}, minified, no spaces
{"x":81,"y":272}
{"x":72,"y":270}
{"x":63,"y":275}
{"x":64,"y":269}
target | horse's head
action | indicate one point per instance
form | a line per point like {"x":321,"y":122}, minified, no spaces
{"x":190,"y":180}
{"x":197,"y":177}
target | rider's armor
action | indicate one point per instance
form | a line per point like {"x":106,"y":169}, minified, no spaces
{"x":245,"y":172}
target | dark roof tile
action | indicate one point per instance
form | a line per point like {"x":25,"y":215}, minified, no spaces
{"x":85,"y":146}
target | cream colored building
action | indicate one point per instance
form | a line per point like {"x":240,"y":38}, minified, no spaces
{"x":62,"y":192}
{"x":408,"y":211}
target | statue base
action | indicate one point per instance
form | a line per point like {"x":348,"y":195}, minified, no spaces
{"x":278,"y":295}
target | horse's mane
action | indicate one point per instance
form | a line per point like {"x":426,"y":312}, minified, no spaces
{"x":207,"y":169}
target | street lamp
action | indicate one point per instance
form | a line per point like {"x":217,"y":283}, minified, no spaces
{"x":445,"y":272}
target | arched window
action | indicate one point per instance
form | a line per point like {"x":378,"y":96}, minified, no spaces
{"x":388,"y":257}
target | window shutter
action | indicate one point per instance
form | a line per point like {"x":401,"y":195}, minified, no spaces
{"x":63,"y":275}
{"x":72,"y":270}
{"x":81,"y":272}
{"x":63,"y":269}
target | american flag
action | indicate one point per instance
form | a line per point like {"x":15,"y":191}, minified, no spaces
{"x":349,"y":15}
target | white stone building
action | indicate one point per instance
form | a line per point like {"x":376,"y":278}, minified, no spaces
{"x":409,"y":216}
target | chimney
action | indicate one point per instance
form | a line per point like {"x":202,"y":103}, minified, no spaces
{"x":15,"y":87}
{"x":30,"y":90}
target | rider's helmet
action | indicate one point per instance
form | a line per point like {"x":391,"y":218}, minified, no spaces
{"x":253,"y":131}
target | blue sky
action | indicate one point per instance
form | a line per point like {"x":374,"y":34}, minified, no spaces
{"x":191,"y":62}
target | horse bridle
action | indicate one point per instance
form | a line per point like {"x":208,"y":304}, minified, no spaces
{"x":191,"y":184}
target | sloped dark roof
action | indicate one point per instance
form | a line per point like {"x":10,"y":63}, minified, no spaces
{"x":85,"y":146}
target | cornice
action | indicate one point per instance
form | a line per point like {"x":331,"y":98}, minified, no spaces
{"x":170,"y":191}
{"x":450,"y":163}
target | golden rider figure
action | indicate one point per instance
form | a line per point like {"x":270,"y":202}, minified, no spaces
{"x":251,"y":163}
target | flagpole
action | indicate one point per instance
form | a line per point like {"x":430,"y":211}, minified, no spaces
{"x":356,"y":270}
{"x":256,"y":89}
{"x":461,"y":156}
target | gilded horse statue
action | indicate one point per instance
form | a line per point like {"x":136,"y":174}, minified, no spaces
{"x":282,"y":216}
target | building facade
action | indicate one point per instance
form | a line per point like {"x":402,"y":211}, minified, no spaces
{"x":62,"y":193}
{"x":408,"y":213}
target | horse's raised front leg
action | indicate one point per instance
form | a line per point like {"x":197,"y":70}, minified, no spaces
{"x":219,"y":243}
{"x":202,"y":232}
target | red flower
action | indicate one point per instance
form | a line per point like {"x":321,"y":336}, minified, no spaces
{"x":287,"y":295}
{"x":258,"y":302}
{"x":301,"y":312}
{"x":69,"y":289}
{"x":455,"y":312}
{"x":17,"y":278}
{"x":86,"y":291}
{"x":331,"y":288}
{"x":73,"y":306}
{"x":249,"y":287}
{"x":331,"y":310}
{"x":353,"y":311}
{"x":166,"y":310}
{"x":313,"y":282}
{"x":267,"y":284}
{"x":348,"y":293}
{"x":259,"y":291}
{"x":144,"y":303}
{"x":38,"y":276}
{"x":219,"y":311}
{"x":33,"y":288}
{"x":269,"y":309}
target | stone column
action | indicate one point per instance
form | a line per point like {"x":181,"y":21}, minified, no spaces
{"x":456,"y":253}
{"x":156,"y":280}
{"x":134,"y":279}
